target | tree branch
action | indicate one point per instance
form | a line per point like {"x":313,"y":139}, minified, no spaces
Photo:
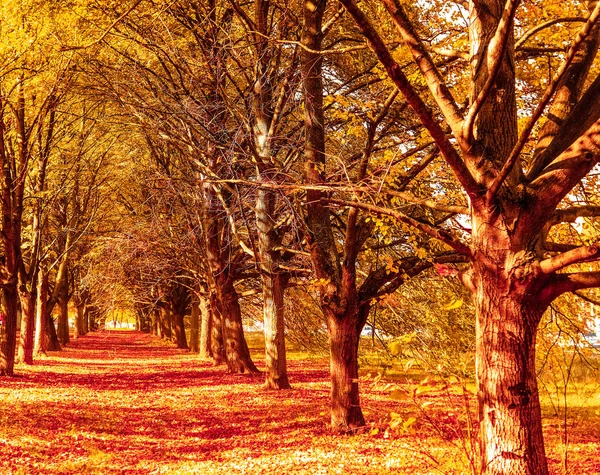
{"x":558,"y":247}
{"x":568,"y":169}
{"x":580,"y":119}
{"x":436,"y":83}
{"x":394,"y":71}
{"x":562,"y":283}
{"x":106,"y":32}
{"x":550,"y":90}
{"x":569,"y":215}
{"x":495,"y":55}
{"x":428,"y":229}
{"x":574,"y":256}
{"x":542,"y":26}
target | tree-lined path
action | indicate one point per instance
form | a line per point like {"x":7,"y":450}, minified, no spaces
{"x":118,"y":402}
{"x":412,"y":187}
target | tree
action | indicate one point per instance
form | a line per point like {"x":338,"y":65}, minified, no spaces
{"x":515,"y":198}
{"x":337,"y":240}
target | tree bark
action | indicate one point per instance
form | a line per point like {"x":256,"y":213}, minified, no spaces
{"x":63,"y":320}
{"x":86,"y":319}
{"x":8,"y":332}
{"x":179,"y":325}
{"x":344,"y":336}
{"x":25,"y":350}
{"x":53,"y":342}
{"x":509,"y":410}
{"x":508,"y":291}
{"x":217,"y":348}
{"x":164,"y":323}
{"x":195,"y":326}
{"x":80,"y":320}
{"x":40,"y":340}
{"x":205,"y":328}
{"x":237,"y":354}
{"x":274,"y":328}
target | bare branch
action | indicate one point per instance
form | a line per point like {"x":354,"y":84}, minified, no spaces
{"x":569,"y":215}
{"x":393,"y":69}
{"x":436,"y":83}
{"x":428,"y":229}
{"x":343,"y":187}
{"x":580,"y":119}
{"x":568,"y":169}
{"x":562,"y":283}
{"x":542,"y":26}
{"x":574,"y":256}
{"x":495,"y":55}
{"x":550,"y":90}
{"x":558,"y":247}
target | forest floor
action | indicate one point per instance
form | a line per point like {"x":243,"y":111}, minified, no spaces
{"x":118,"y":402}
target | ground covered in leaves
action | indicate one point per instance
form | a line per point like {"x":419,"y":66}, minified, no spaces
{"x":126,"y":403}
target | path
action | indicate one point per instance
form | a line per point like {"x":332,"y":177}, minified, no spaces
{"x":122,"y":402}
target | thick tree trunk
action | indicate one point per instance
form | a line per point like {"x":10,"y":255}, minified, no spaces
{"x":217,"y":345}
{"x":509,"y":408}
{"x":86,"y":319}
{"x":269,"y":237}
{"x":273,"y":314}
{"x":8,"y":330}
{"x":237,"y":354}
{"x":164,"y":324}
{"x":92,"y":318}
{"x":195,"y":326}
{"x":507,"y":291}
{"x":273,"y":288}
{"x":40,"y":340}
{"x":79,"y":321}
{"x":178,"y":323}
{"x":25,"y":351}
{"x":205,"y":329}
{"x":53,"y":342}
{"x":63,"y":320}
{"x":154,"y":323}
{"x":344,"y":335}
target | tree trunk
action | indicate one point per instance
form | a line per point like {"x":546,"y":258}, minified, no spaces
{"x":92,"y":323}
{"x":154,"y":323}
{"x":507,"y":291}
{"x":178,"y":323}
{"x":273,"y":314}
{"x":79,"y":321}
{"x":164,"y":323}
{"x":8,"y":332}
{"x":53,"y":341}
{"x":344,"y":335}
{"x":40,"y":340}
{"x":237,"y":353}
{"x":509,"y":410}
{"x":25,"y":351}
{"x":205,"y":329}
{"x":63,"y":320}
{"x":217,"y":347}
{"x":195,"y":326}
{"x":86,"y":319}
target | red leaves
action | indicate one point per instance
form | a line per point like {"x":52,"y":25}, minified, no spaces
{"x":123,"y":403}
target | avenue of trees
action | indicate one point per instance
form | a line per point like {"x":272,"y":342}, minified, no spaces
{"x":320,"y":165}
